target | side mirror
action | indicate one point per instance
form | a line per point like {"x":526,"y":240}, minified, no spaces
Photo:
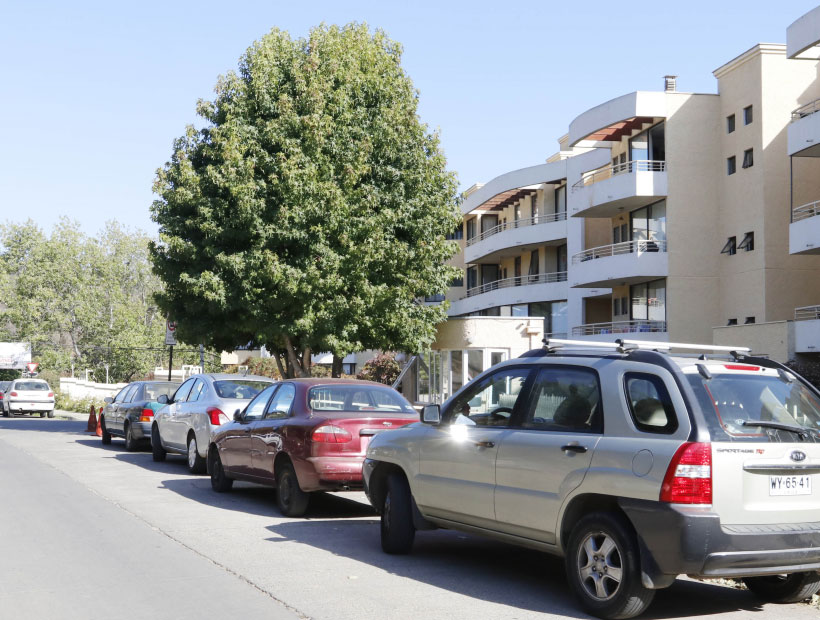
{"x":108,"y":400}
{"x":431,"y":414}
{"x":237,"y":415}
{"x":163,"y":399}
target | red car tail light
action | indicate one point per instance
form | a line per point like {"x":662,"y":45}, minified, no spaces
{"x":147,"y":415}
{"x":12,"y":393}
{"x":217,"y":416}
{"x":1,"y":395}
{"x":689,"y":477}
{"x":327,"y":433}
{"x":51,"y":394}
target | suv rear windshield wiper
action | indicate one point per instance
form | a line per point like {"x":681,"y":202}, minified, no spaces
{"x":800,"y":430}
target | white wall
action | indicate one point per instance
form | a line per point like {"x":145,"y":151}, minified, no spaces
{"x":79,"y":389}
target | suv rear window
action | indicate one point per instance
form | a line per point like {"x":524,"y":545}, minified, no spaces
{"x":237,"y":388}
{"x":732,"y":402}
{"x":31,"y":386}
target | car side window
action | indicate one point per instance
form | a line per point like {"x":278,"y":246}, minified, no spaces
{"x":649,"y":403}
{"x":489,"y":401}
{"x":181,"y":395}
{"x":196,"y":391}
{"x":129,"y":395}
{"x":121,"y":395}
{"x":566,"y":399}
{"x":279,"y":406}
{"x":256,"y":408}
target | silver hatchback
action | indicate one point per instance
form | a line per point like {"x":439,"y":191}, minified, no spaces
{"x":190,"y":417}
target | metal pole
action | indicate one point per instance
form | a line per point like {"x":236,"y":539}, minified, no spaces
{"x":202,"y":357}
{"x":170,"y":361}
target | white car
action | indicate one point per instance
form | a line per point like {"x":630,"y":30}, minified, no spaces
{"x":28,"y":396}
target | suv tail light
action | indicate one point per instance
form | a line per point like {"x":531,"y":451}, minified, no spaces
{"x":217,"y":416}
{"x":689,"y":477}
{"x":147,"y":415}
{"x":328,"y":433}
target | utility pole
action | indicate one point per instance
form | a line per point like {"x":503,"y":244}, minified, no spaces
{"x":202,"y":358}
{"x":170,"y":361}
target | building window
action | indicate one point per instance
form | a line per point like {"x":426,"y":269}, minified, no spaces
{"x":731,"y":165}
{"x":748,"y":242}
{"x":731,"y":246}
{"x":533,"y":270}
{"x":457,"y":234}
{"x":458,"y":280}
{"x":561,"y":199}
{"x":748,"y":158}
{"x":730,"y":123}
{"x":749,"y":320}
{"x":471,"y":228}
{"x":747,"y":115}
{"x":731,"y":322}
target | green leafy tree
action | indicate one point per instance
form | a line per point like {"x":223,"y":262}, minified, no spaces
{"x":383,"y":368}
{"x":310,"y":212}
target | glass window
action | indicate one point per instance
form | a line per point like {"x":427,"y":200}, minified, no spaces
{"x":657,"y":143}
{"x":117,"y":399}
{"x":748,"y":242}
{"x":472,"y":277}
{"x":639,"y":147}
{"x":256,"y":407}
{"x":489,"y":401}
{"x":731,"y":165}
{"x":649,"y":403}
{"x":350,"y":398}
{"x":730,"y":123}
{"x":181,"y":395}
{"x":488,"y":222}
{"x":561,"y":199}
{"x":239,"y":388}
{"x":565,"y":399}
{"x":457,"y":369}
{"x":475,"y":363}
{"x":496,"y":357}
{"x":279,"y":406}
{"x":648,"y":224}
{"x":535,"y":258}
{"x":129,"y":395}
{"x":748,"y":158}
{"x":731,"y":246}
{"x":471,"y":228}
{"x":196,"y":391}
{"x":561,"y":258}
{"x":154,"y":390}
{"x":748,"y":117}
{"x":519,"y":310}
{"x":649,"y":300}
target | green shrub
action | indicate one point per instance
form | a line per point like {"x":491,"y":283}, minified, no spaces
{"x":383,"y":368}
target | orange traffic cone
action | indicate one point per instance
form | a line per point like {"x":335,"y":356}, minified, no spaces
{"x":92,"y":421}
{"x":98,"y":430}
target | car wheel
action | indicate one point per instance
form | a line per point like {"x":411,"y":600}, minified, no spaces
{"x":51,"y":413}
{"x":157,"y":451}
{"x":6,"y":413}
{"x":42,"y":414}
{"x":219,"y":481}
{"x":603,"y":567}
{"x":106,"y":436}
{"x":290,"y":497}
{"x":196,"y":464}
{"x":791,"y":588}
{"x":397,"y":529}
{"x":130,"y":442}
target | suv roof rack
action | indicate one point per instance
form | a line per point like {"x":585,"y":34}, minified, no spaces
{"x":624,"y":346}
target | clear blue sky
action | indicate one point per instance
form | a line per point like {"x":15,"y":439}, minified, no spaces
{"x":93,"y":93}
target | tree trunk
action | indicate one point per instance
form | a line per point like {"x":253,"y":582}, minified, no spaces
{"x":336,"y":370}
{"x":293,"y":360}
{"x":306,"y":361}
{"x":279,"y":365}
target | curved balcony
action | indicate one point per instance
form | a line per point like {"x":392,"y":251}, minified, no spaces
{"x":631,"y":262}
{"x":520,"y":234}
{"x":552,"y":172}
{"x":803,"y":36}
{"x":521,"y":290}
{"x":639,"y":329}
{"x":617,"y":118}
{"x":804,"y":131}
{"x":613,"y":189}
{"x":804,"y":231}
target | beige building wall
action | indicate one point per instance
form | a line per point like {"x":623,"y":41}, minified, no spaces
{"x":775,"y":339}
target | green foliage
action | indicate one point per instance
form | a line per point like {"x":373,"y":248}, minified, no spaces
{"x":64,"y":402}
{"x":310,"y":212}
{"x":9,"y":375}
{"x":383,"y":368}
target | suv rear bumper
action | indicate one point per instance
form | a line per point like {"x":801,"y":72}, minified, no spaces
{"x":678,"y":539}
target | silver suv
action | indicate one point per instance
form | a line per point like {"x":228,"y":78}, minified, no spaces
{"x":633,"y":464}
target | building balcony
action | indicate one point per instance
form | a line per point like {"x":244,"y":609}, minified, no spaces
{"x":635,"y":329}
{"x":521,"y":290}
{"x":520,"y":235}
{"x":630,"y":262}
{"x":608,"y":122}
{"x":804,"y":131}
{"x":614,"y":189}
{"x":803,"y":36}
{"x":804,"y":231}
{"x":807,"y":329}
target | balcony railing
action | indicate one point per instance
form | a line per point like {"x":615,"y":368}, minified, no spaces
{"x":616,"y":249}
{"x":609,"y":171}
{"x":807,"y":313}
{"x":619,"y":327}
{"x":804,"y":212}
{"x":539,"y":278}
{"x":806,"y":110}
{"x":530,"y":221}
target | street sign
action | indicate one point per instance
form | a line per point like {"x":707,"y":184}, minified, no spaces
{"x":32,"y":366}
{"x":14,"y":355}
{"x":170,"y":333}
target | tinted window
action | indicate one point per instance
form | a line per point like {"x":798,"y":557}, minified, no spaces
{"x":196,"y":392}
{"x":118,"y":398}
{"x":489,"y":401}
{"x":129,"y":395}
{"x":279,"y":407}
{"x":182,"y":393}
{"x":153,"y":390}
{"x":649,"y":403}
{"x":565,"y":399}
{"x":239,"y":388}
{"x":33,"y":386}
{"x":256,"y":407}
{"x":354,"y":397}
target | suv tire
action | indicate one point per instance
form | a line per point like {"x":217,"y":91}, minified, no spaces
{"x":158,"y":453}
{"x":603,"y":567}
{"x":397,"y":529}
{"x":219,"y":481}
{"x":791,"y":588}
{"x":106,"y":436}
{"x":290,"y":498}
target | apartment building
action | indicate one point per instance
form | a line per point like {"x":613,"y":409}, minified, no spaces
{"x":664,"y":215}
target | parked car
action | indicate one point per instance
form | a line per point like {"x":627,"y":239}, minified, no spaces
{"x":28,"y":396}
{"x":196,"y":410}
{"x":3,"y":387}
{"x":131,"y":412}
{"x":305,"y":435}
{"x":634,"y":465}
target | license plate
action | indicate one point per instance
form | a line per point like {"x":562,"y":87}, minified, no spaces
{"x":790,"y":485}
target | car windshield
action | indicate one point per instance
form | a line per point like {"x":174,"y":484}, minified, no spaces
{"x":357,"y":398}
{"x":733,"y":402}
{"x":154,"y":390}
{"x":31,"y":386}
{"x":242,"y":389}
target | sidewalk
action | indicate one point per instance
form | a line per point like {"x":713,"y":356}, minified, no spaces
{"x":70,"y":415}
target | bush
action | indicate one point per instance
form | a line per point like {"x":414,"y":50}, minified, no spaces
{"x":80,"y":405}
{"x":383,"y":368}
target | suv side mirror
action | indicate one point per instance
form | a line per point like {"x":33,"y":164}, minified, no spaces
{"x":163,"y":399}
{"x":431,"y":414}
{"x":108,"y":400}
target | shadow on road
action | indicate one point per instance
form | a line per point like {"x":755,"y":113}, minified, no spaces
{"x":498,"y":573}
{"x":46,"y":425}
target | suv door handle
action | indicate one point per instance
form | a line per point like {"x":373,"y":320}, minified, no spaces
{"x":485,"y":444}
{"x":574,"y":447}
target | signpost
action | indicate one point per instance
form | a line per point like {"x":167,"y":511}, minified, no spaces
{"x":32,"y":367}
{"x":170,"y":340}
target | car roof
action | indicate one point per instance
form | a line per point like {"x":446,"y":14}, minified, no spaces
{"x":220,"y":376}
{"x":310,"y":381}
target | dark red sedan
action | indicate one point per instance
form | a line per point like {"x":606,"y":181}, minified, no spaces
{"x":305,"y":435}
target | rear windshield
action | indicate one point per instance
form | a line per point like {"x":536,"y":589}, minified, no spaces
{"x":4,"y":385}
{"x":357,"y":398}
{"x":31,"y":386}
{"x":154,"y":390}
{"x":238,"y":388}
{"x":733,"y":402}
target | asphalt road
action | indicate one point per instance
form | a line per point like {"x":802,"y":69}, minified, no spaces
{"x":92,"y":531}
